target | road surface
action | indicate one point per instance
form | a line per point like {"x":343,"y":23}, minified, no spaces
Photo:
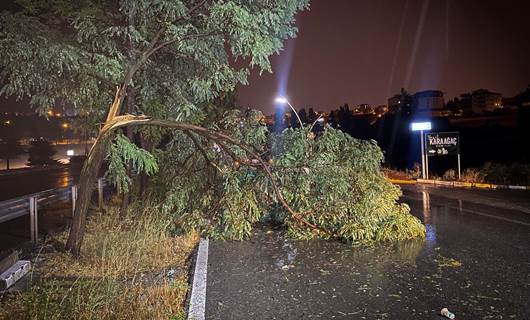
{"x":475,"y":261}
{"x":16,"y":232}
{"x":20,"y":184}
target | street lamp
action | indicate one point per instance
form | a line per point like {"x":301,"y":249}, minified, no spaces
{"x":284,"y":100}
{"x":421,"y":126}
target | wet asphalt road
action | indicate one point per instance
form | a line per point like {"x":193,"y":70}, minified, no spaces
{"x":15,"y":233}
{"x":475,"y":261}
{"x":20,"y":184}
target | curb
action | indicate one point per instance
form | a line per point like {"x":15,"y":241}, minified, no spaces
{"x":197,"y":308}
{"x":472,"y":185}
{"x":399,"y":181}
{"x":459,"y":184}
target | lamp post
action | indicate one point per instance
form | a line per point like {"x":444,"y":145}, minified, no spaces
{"x":284,"y":100}
{"x":422,"y":126}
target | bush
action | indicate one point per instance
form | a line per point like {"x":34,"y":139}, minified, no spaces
{"x":396,"y":174}
{"x":41,"y":153}
{"x":514,"y":174}
{"x":450,"y":175}
{"x":415,"y":173}
{"x":504,"y":174}
{"x":473,"y":175}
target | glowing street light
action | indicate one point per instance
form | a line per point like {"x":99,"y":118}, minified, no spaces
{"x":281,"y":100}
{"x":284,"y":100}
{"x":421,"y":126}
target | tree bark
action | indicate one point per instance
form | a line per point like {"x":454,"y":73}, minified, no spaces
{"x":87,"y":181}
{"x":114,"y":120}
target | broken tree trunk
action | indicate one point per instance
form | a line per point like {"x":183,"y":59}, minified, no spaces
{"x":87,"y":183}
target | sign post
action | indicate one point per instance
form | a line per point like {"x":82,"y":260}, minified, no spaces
{"x":422,"y":126}
{"x":458,"y":165}
{"x":442,"y":144}
{"x":426,"y":159}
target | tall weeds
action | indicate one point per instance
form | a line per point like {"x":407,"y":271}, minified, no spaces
{"x":130,"y":268}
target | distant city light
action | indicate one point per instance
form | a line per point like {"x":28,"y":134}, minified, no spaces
{"x":420,"y":126}
{"x":70,"y":152}
{"x":7,"y":122}
{"x":64,"y":125}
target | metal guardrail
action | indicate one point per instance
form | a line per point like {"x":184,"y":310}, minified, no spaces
{"x":29,"y":204}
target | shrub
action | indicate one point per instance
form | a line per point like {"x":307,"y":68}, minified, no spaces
{"x":450,"y":175}
{"x":515,"y":173}
{"x":41,"y":152}
{"x":473,"y":175}
{"x":415,"y":173}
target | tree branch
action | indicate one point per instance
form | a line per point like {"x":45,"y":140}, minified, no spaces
{"x":201,"y":149}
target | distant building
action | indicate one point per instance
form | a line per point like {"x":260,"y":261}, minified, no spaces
{"x":382,"y":109}
{"x":364,"y":108}
{"x":400,"y":101}
{"x":429,"y":102}
{"x":483,"y":100}
{"x":465,"y":103}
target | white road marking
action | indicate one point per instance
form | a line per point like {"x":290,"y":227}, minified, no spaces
{"x":197,"y":307}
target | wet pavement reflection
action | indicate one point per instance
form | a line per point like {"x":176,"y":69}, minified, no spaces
{"x":16,"y":232}
{"x":16,"y":185}
{"x":475,"y":265}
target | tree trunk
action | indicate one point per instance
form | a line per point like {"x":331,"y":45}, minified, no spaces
{"x":7,"y":163}
{"x":125,"y":200}
{"x":87,"y":181}
{"x":129,"y":108}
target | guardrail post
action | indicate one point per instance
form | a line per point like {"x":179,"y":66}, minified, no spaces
{"x":74,"y":198}
{"x":100,"y":193}
{"x":33,"y":220}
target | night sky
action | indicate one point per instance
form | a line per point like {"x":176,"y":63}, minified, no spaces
{"x":351,"y":51}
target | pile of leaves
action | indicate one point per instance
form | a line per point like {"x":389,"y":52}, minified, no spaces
{"x":326,"y":185}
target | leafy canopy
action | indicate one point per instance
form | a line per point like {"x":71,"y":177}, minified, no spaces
{"x":182,"y":52}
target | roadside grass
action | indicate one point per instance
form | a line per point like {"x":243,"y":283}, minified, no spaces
{"x":129,"y":268}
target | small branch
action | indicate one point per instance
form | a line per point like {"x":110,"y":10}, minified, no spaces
{"x":196,"y":36}
{"x":201,"y":149}
{"x":315,"y":122}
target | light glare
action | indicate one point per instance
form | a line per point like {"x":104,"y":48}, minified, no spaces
{"x":420,"y":126}
{"x":281,"y":100}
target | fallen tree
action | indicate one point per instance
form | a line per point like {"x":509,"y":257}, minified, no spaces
{"x":224,"y":179}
